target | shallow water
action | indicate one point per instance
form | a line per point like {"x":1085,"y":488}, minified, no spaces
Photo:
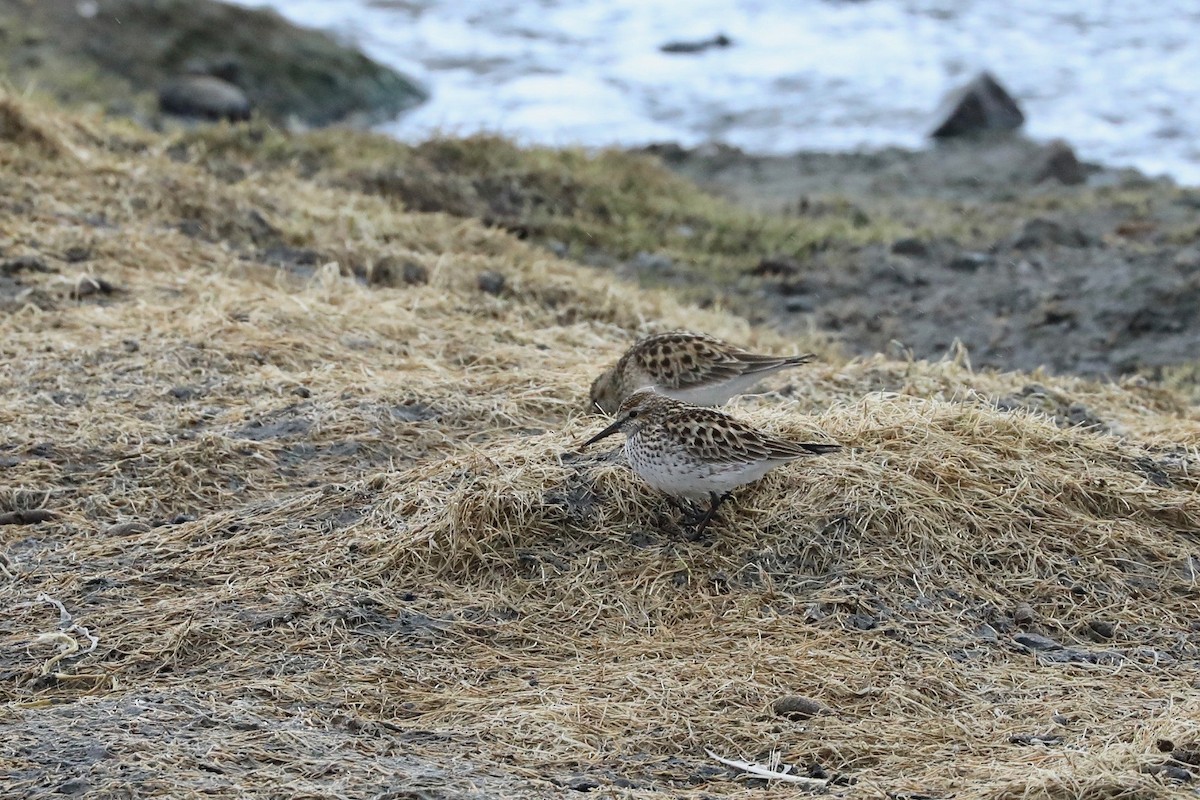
{"x":1118,"y":80}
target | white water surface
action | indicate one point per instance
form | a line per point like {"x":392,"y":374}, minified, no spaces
{"x":1119,"y":80}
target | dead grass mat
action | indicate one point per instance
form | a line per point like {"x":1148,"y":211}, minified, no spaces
{"x":315,"y":538}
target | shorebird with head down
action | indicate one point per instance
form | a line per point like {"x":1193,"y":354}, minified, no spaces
{"x":697,"y":453}
{"x":691,"y":367}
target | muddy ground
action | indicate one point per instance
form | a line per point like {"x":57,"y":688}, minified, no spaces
{"x":1098,"y":278}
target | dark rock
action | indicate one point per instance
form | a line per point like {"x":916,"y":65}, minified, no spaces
{"x":698,"y":46}
{"x":1170,"y":772}
{"x":31,"y":517}
{"x":582,"y":783}
{"x":1023,"y":615}
{"x":981,"y":106}
{"x":24,"y":264}
{"x":863,"y":622}
{"x":1042,"y":232}
{"x":74,"y":786}
{"x":491,"y":282}
{"x":288,"y":72}
{"x":89,"y":285}
{"x":76,"y":254}
{"x":185,"y":393}
{"x":1034,"y":641}
{"x":204,"y":97}
{"x":776,"y":267}
{"x":415,"y":274}
{"x":968,"y":262}
{"x":413,"y":412}
{"x":1059,"y":162}
{"x":1186,"y":756}
{"x":910,"y":246}
{"x":392,"y":271}
{"x":794,"y":707}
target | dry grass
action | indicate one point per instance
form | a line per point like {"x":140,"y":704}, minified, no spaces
{"x":332,"y":539}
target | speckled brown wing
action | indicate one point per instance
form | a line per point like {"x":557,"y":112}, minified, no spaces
{"x":713,"y":437}
{"x":682,"y":360}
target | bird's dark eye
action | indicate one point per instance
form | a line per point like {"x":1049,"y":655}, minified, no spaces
{"x":632,"y":414}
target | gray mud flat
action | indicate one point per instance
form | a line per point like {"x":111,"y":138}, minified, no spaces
{"x":1101,"y":278}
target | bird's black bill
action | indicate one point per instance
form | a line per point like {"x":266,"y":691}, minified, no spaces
{"x":609,"y":431}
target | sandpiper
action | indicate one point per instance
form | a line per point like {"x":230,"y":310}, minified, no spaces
{"x":697,"y":453}
{"x":692,"y":367}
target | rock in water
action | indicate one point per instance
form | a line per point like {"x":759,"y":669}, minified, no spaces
{"x":718,"y":41}
{"x":1059,"y":162}
{"x":980,"y":106}
{"x":203,"y":96}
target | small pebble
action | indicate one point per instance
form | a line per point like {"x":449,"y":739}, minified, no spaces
{"x":491,"y":282}
{"x":794,"y":707}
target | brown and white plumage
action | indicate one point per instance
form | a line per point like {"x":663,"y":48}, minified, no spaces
{"x":697,"y":453}
{"x":691,"y":367}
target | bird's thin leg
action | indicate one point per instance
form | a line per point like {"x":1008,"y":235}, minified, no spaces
{"x":712,"y":510}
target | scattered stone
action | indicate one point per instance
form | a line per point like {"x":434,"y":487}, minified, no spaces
{"x":968,"y":262}
{"x":775,"y":267}
{"x":413,"y":412}
{"x":24,"y":264}
{"x":1026,"y":739}
{"x":415,"y":274}
{"x":74,"y":786}
{"x":1186,"y":756}
{"x":185,"y":393}
{"x":126,"y":529}
{"x":980,"y":106}
{"x":910,"y":246}
{"x":31,"y":517}
{"x":1023,"y":614}
{"x":582,"y":783}
{"x":302,"y":392}
{"x":261,"y":430}
{"x":89,"y":285}
{"x":698,"y":46}
{"x":794,"y":707}
{"x":76,"y":254}
{"x":1187,"y":259}
{"x":392,"y":271}
{"x":863,"y":622}
{"x":1058,"y":162}
{"x":799,"y":304}
{"x":1170,"y":772}
{"x":204,"y":97}
{"x":1042,"y":232}
{"x":1035,"y":641}
{"x":651,"y":262}
{"x":491,"y":282}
